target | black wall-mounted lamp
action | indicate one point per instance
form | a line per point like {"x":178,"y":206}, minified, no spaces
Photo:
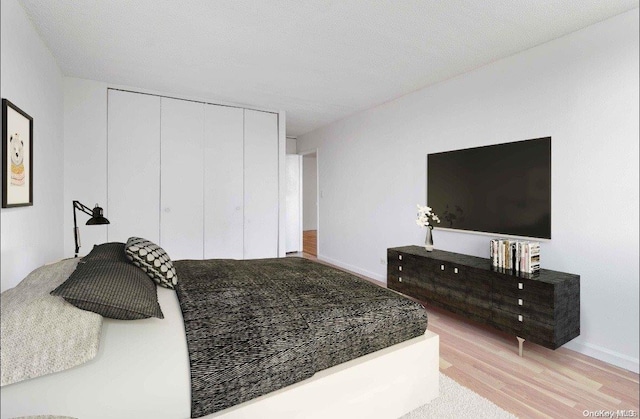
{"x":97,"y":217}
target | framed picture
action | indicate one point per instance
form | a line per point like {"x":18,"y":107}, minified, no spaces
{"x":17,"y":156}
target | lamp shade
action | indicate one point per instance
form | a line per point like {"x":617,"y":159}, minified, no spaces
{"x":97,"y":217}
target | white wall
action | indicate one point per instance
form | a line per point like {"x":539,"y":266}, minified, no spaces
{"x":31,"y":79}
{"x":582,"y":90}
{"x":309,"y":192}
{"x":291,"y":145}
{"x":85,"y":162}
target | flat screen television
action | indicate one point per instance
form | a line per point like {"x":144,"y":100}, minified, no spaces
{"x":500,"y":189}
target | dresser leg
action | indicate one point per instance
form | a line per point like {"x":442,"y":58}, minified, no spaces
{"x":520,"y":343}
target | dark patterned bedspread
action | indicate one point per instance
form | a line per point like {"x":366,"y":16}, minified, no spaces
{"x":255,"y":326}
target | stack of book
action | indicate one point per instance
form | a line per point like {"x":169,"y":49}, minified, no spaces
{"x":514,"y":255}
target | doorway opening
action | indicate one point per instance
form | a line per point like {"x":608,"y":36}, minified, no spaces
{"x":310,"y":195}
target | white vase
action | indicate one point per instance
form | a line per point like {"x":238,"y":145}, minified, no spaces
{"x":428,"y":240}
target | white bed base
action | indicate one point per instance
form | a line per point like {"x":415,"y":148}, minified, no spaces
{"x":142,"y":371}
{"x":385,"y":384}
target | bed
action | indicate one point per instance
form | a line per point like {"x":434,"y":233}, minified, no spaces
{"x":145,"y":369}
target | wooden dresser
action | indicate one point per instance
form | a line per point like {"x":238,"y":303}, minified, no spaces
{"x":542,"y":308}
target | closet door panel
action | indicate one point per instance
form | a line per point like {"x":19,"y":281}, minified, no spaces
{"x":182,"y":203}
{"x":133,"y":175}
{"x":223,"y":182}
{"x":260,"y":185}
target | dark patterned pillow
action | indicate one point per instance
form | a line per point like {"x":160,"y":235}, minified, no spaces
{"x":117,"y":290}
{"x":112,"y":252}
{"x":152,"y":259}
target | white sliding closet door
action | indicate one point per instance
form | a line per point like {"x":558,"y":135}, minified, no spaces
{"x":133,"y":175}
{"x":223,"y":182}
{"x":260,"y":184}
{"x":182,"y":203}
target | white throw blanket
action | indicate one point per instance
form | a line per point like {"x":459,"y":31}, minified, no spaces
{"x":43,"y":334}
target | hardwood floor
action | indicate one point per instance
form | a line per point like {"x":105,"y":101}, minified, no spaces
{"x":310,"y":242}
{"x":542,"y":384}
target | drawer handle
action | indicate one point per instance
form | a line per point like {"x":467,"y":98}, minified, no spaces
{"x":519,"y":301}
{"x":520,"y":286}
{"x":519,"y":317}
{"x":400,"y":268}
{"x":400,"y":279}
{"x":455,"y":270}
{"x":442,"y":267}
{"x":400,"y":257}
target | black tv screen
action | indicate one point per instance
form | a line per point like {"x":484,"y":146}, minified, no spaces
{"x":501,"y":189}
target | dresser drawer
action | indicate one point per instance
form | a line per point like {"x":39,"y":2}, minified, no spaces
{"x":535,"y":292}
{"x":409,"y":269}
{"x":479,"y":284}
{"x":394,"y":284}
{"x":523,"y":304}
{"x":419,"y":292}
{"x":538,"y":314}
{"x":524,"y":326}
{"x":448,"y":276}
{"x":478,"y":309}
{"x":447,"y":270}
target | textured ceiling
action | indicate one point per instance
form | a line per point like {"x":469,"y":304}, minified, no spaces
{"x":317,"y":60}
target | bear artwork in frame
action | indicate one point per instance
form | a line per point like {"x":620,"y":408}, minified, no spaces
{"x":17,"y":156}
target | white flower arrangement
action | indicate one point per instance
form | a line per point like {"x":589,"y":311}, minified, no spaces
{"x":426,"y":217}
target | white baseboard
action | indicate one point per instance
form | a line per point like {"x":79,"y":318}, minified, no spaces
{"x":368,"y":274}
{"x":605,"y":355}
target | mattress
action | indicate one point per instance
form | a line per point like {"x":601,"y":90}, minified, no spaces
{"x":256,"y":326}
